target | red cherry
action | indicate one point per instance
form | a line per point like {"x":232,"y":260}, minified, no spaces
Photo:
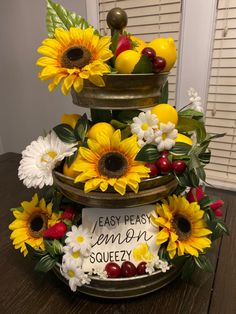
{"x":113,"y":270}
{"x":128,"y":269}
{"x":153,"y":169}
{"x":141,"y":268}
{"x":178,"y":166}
{"x":164,"y":165}
{"x":165,"y":153}
{"x":218,"y":212}
{"x":150,"y":52}
{"x":158,"y":64}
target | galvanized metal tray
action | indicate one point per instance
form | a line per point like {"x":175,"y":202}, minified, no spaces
{"x":122,"y":288}
{"x":122,"y":91}
{"x":150,"y":191}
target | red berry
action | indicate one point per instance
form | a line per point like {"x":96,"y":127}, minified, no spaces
{"x":124,"y":43}
{"x":57,"y":231}
{"x":218,"y":213}
{"x":69,"y":213}
{"x":217,"y":204}
{"x":141,"y":268}
{"x":128,"y":269}
{"x":113,"y":270}
{"x":164,"y":165}
{"x":158,"y":64}
{"x":165,"y":153}
{"x":195,"y":194}
{"x":150,"y":52}
{"x":178,"y":166}
{"x":153,"y":169}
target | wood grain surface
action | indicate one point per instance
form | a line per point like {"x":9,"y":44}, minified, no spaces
{"x":24,"y":291}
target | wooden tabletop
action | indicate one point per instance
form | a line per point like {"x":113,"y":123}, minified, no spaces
{"x":24,"y":291}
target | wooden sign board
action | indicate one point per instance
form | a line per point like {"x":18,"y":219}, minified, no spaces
{"x":116,"y":232}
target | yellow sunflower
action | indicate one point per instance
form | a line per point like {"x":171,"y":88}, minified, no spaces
{"x":183,"y":226}
{"x":73,"y":56}
{"x":30,"y":223}
{"x":110,"y":161}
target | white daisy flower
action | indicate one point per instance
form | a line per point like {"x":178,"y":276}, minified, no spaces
{"x":144,"y":125}
{"x":79,"y":239}
{"x":195,"y":100}
{"x":76,"y":276}
{"x":165,"y":136}
{"x":100,"y":272}
{"x":70,"y":255}
{"x":40,"y":158}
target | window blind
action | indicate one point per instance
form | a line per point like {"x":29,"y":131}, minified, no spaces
{"x":221,"y":106}
{"x":148,"y":20}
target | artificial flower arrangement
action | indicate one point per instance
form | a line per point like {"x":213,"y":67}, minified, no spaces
{"x":114,"y":150}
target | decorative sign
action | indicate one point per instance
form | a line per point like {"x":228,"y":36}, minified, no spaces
{"x":116,"y":232}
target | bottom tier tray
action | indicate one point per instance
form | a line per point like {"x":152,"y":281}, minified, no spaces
{"x":150,"y":191}
{"x":121,"y":288}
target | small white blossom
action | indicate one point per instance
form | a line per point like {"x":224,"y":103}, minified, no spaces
{"x":79,"y":239}
{"x":40,"y":158}
{"x":165,"y":137}
{"x":74,"y":274}
{"x":150,"y":267}
{"x":70,"y":255}
{"x":144,"y":126}
{"x":100,"y":272}
{"x":161,"y":265}
{"x":195,"y":100}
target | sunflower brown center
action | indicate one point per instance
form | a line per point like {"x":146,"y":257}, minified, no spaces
{"x":113,"y":165}
{"x":182,"y":227}
{"x":37,"y":224}
{"x":76,"y":57}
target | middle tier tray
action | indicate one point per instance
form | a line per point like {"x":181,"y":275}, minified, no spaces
{"x":150,"y":191}
{"x":122,"y":91}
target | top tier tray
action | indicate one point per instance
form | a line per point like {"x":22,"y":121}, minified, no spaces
{"x":122,"y":91}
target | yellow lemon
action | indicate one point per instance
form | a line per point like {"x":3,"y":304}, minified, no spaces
{"x":165,"y":113}
{"x":70,"y":119}
{"x":126,"y":61}
{"x":100,"y":127}
{"x":68,"y":170}
{"x":140,"y":43}
{"x":165,"y":48}
{"x":183,"y":139}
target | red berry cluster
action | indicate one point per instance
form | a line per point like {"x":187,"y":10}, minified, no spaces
{"x":127,"y":269}
{"x":164,"y":166}
{"x":158,"y":63}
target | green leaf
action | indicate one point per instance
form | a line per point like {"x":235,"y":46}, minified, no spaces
{"x":163,"y":254}
{"x":190,"y":113}
{"x":56,"y":201}
{"x":210,"y":137}
{"x":54,"y":247}
{"x":200,"y":172}
{"x":126,"y":132}
{"x":188,"y":125}
{"x":81,"y":128}
{"x":114,"y":41}
{"x":117,"y":124}
{"x":148,"y":153}
{"x":188,"y":268}
{"x":205,"y":157}
{"x":201,"y":132}
{"x":203,"y":263}
{"x":45,"y":264}
{"x":58,"y":16}
{"x":180,"y":149}
{"x":71,"y":159}
{"x":100,"y":115}
{"x":194,"y":162}
{"x":127,"y":116}
{"x":218,"y":227}
{"x":33,"y":253}
{"x":19,"y":209}
{"x":164,"y":94}
{"x":204,"y":202}
{"x":144,"y":65}
{"x":65,"y":133}
{"x":193,"y":178}
{"x":183,"y":179}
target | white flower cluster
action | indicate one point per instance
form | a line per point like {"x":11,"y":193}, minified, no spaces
{"x":195,"y":100}
{"x":78,"y":245}
{"x":157,"y":264}
{"x":40,"y":158}
{"x":146,"y":127}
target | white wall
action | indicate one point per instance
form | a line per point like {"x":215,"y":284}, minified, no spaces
{"x":26,"y":106}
